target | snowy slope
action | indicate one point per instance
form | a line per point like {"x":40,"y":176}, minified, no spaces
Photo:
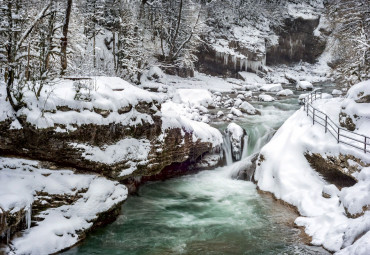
{"x":284,"y":171}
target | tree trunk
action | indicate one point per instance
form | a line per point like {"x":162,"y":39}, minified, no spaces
{"x":63,"y":40}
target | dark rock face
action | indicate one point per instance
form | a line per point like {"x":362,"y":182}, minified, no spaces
{"x":47,"y":144}
{"x":336,"y":170}
{"x":296,"y":43}
{"x":222,"y":64}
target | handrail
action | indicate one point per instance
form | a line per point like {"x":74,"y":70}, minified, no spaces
{"x":359,"y":141}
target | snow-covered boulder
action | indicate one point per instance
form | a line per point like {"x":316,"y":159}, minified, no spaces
{"x":246,"y":107}
{"x":271,"y":87}
{"x":265,"y":98}
{"x":236,"y":136}
{"x":238,"y":102}
{"x":220,"y":114}
{"x":336,"y":92}
{"x":236,"y":112}
{"x":285,"y":92}
{"x":304,"y":85}
{"x":355,"y":108}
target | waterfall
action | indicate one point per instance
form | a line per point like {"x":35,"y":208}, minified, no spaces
{"x":245,"y":147}
{"x":226,"y":149}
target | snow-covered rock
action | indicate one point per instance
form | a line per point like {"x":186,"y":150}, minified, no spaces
{"x":236,"y":135}
{"x":355,"y":113}
{"x":285,"y":92}
{"x":304,"y":85}
{"x":248,"y":108}
{"x":336,"y":92}
{"x":271,"y":87}
{"x":236,"y":112}
{"x":265,"y":98}
{"x":81,"y":198}
{"x":220,"y":114}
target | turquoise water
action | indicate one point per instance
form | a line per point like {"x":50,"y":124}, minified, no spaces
{"x":206,"y":213}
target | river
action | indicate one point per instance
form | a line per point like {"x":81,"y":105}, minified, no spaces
{"x":209,"y":212}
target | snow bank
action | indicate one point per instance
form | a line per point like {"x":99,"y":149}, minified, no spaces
{"x":284,"y":171}
{"x":20,"y":180}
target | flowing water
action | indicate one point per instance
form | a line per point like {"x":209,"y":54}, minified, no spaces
{"x":209,"y":212}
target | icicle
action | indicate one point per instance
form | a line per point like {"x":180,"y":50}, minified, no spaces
{"x":233,"y":59}
{"x":241,"y":62}
{"x":226,"y":59}
{"x":28,"y":216}
{"x":246,"y":64}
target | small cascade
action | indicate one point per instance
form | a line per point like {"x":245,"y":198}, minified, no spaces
{"x":226,"y":150}
{"x":245,"y":147}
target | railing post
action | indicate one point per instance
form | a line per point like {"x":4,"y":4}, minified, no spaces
{"x":338,"y":135}
{"x":307,"y":108}
{"x":313,"y":116}
{"x":326,"y":123}
{"x":365,"y":145}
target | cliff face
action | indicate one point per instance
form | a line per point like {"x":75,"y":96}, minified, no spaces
{"x":297,"y":42}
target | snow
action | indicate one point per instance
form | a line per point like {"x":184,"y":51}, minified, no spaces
{"x":193,"y":97}
{"x":134,"y":151}
{"x":109,"y":94}
{"x":251,"y":78}
{"x":271,"y":87}
{"x":265,"y":98}
{"x":303,"y":11}
{"x":285,"y":92}
{"x":359,"y":90}
{"x":304,"y":85}
{"x":285,"y":172}
{"x":20,"y":179}
{"x":181,"y":116}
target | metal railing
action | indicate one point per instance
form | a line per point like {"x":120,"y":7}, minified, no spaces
{"x":342,"y":135}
